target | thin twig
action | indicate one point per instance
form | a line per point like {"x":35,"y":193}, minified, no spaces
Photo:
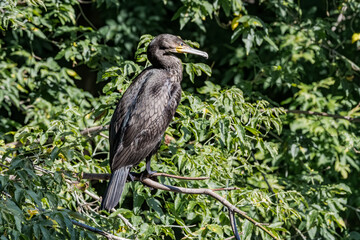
{"x":226,"y":189}
{"x":322,"y":114}
{"x":87,"y":227}
{"x":229,"y":238}
{"x":97,"y":231}
{"x":299,"y":232}
{"x":86,"y":19}
{"x":91,"y":130}
{"x":272,"y":134}
{"x":353,"y":208}
{"x":92,"y":195}
{"x":263,"y":174}
{"x":2,"y":165}
{"x":97,"y":198}
{"x":85,"y":2}
{"x":177,"y":226}
{"x":354,"y":66}
{"x":218,"y":21}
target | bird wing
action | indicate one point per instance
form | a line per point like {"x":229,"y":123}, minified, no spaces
{"x":123,"y":110}
{"x":142,"y":122}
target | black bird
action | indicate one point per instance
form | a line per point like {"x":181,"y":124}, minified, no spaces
{"x":144,"y":112}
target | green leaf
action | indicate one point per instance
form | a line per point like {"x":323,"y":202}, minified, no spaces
{"x":205,"y":68}
{"x":266,"y":38}
{"x":239,"y":30}
{"x":155,"y":205}
{"x":54,"y":153}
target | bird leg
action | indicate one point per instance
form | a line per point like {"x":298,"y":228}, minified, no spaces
{"x":148,"y":168}
{"x":132,"y":177}
{"x":147,"y":173}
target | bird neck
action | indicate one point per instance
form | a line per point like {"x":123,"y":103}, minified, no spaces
{"x":169,"y":62}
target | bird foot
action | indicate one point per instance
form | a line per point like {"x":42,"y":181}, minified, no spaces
{"x":148,"y":174}
{"x":132,"y":177}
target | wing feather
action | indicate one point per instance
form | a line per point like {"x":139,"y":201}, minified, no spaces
{"x":141,"y":118}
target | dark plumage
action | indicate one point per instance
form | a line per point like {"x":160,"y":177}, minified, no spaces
{"x":144,"y":112}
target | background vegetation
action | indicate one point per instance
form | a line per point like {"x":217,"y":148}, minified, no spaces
{"x":65,"y":64}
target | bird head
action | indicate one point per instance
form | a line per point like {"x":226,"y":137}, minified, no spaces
{"x":168,"y":44}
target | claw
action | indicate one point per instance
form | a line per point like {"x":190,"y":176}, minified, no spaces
{"x":148,"y":174}
{"x":132,"y":177}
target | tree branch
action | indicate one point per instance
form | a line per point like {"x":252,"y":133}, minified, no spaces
{"x":92,"y":195}
{"x":97,"y":198}
{"x":87,"y":227}
{"x":322,"y":114}
{"x":263,"y":174}
{"x":97,"y":231}
{"x":203,"y":191}
{"x":226,"y":189}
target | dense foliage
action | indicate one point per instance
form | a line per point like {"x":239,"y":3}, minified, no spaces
{"x":65,"y":64}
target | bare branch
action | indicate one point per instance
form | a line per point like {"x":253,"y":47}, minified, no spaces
{"x":97,"y":198}
{"x":86,"y":19}
{"x":87,"y":227}
{"x":204,"y":191}
{"x":85,"y":2}
{"x":263,"y":174}
{"x":299,"y":232}
{"x":322,"y":114}
{"x":226,"y":189}
{"x":92,"y":195}
{"x":208,"y":192}
{"x":97,"y":231}
{"x":95,"y":129}
{"x":353,"y":65}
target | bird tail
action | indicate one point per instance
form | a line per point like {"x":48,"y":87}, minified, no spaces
{"x":115,"y":188}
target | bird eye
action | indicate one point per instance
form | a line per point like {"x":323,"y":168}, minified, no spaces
{"x":181,"y":44}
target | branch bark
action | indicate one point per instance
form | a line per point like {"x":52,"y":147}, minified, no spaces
{"x":203,"y":191}
{"x":97,"y":231}
{"x":92,"y":195}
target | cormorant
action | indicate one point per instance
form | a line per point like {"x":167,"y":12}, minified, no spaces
{"x":144,"y":112}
